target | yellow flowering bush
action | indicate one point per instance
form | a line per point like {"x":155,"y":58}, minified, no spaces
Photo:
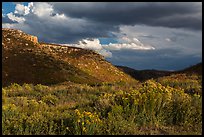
{"x":87,"y":123}
{"x":4,"y":98}
{"x":109,"y":109}
{"x":50,"y":99}
{"x":12,"y":119}
{"x":152,"y":103}
{"x":189,"y":83}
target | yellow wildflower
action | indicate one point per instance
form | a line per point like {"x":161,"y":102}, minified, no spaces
{"x":84,"y":129}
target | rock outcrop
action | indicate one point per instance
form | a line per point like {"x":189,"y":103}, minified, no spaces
{"x":20,"y":34}
{"x":32,"y":38}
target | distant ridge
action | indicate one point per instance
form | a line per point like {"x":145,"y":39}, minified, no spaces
{"x":143,"y":75}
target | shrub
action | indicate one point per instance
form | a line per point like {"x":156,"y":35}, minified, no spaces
{"x":50,"y":99}
{"x":86,"y":123}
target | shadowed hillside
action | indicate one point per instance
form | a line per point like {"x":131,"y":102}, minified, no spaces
{"x":194,"y":69}
{"x":143,"y":75}
{"x":24,"y":60}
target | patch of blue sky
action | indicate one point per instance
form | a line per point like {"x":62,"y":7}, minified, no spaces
{"x":106,"y":41}
{"x":8,"y":7}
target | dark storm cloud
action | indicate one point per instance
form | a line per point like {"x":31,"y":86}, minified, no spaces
{"x":164,"y":59}
{"x":175,"y":15}
{"x":148,"y":36}
{"x":49,"y":30}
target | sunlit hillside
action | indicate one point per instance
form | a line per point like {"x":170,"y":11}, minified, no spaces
{"x":27,"y":61}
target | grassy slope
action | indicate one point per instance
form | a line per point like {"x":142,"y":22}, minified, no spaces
{"x":142,"y":109}
{"x":26,"y":62}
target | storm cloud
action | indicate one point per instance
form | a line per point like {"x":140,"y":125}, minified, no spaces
{"x":163,"y":59}
{"x":167,"y":14}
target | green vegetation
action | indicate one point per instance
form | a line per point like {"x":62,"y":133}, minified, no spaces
{"x":111,"y":109}
{"x":190,"y":83}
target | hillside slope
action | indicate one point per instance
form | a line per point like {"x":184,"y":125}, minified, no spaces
{"x":24,"y":60}
{"x":143,"y":75}
{"x":194,"y":69}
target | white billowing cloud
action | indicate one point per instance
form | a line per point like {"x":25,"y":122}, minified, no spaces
{"x":19,"y":9}
{"x":105,"y":53}
{"x":23,"y":10}
{"x":42,"y":9}
{"x":30,"y":4}
{"x":93,"y":44}
{"x":130,"y":44}
{"x":12,"y":17}
{"x":60,"y":16}
{"x":105,"y":50}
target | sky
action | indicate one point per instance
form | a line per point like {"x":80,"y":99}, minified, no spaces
{"x":140,"y":35}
